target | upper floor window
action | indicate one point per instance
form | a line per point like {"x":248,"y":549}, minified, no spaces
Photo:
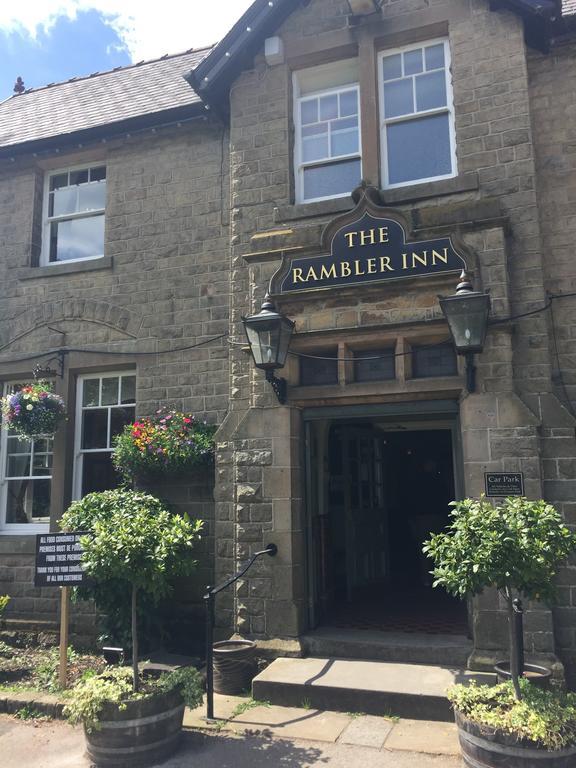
{"x":25,"y":481}
{"x":417,"y":115}
{"x":327,"y":151}
{"x":73,"y":220}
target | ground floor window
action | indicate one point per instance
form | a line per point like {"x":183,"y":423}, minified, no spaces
{"x":105,"y":404}
{"x":25,"y":481}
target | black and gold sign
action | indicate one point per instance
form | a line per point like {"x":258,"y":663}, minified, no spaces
{"x":369,"y":250}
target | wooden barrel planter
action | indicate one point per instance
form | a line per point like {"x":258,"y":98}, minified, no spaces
{"x":146,"y":732}
{"x":484,"y":747}
{"x":234,"y":666}
{"x":538,"y":676}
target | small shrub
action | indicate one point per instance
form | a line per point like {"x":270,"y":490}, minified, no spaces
{"x":543,"y":718}
{"x":4,"y":600}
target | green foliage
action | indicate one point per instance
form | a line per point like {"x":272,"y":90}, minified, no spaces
{"x":29,"y":713}
{"x":167,"y":443}
{"x":87,"y":699}
{"x":133,"y":538}
{"x":114,"y":686}
{"x":518,"y":543}
{"x":544,"y":718}
{"x":4,"y":600}
{"x":47,"y":671}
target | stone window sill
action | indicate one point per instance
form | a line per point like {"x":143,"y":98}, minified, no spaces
{"x":465,"y":183}
{"x":91,"y":265}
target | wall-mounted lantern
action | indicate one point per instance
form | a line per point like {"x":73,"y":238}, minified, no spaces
{"x":467,"y":315}
{"x":269,"y":334}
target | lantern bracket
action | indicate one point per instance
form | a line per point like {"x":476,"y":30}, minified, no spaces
{"x":279,"y":386}
{"x":40,"y":371}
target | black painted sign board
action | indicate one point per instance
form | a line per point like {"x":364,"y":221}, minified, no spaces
{"x":504,"y":484}
{"x":58,"y":557}
{"x":370,"y":249}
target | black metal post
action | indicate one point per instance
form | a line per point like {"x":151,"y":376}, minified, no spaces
{"x":470,"y":372}
{"x":209,"y":597}
{"x":519,"y":619}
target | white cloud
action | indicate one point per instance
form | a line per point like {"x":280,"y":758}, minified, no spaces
{"x":148,"y":29}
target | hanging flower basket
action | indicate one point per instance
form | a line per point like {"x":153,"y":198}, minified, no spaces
{"x":167,"y":443}
{"x":33,"y":410}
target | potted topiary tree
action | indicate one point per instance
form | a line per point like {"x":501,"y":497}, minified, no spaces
{"x":133,"y":541}
{"x":517,"y":547}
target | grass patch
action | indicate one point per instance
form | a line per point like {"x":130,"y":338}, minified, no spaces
{"x":245,"y":706}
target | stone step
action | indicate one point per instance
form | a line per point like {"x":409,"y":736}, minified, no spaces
{"x":397,"y":647}
{"x":414,"y":691}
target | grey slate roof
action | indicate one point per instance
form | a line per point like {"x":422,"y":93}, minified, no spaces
{"x":568,"y":7}
{"x":101,"y":99}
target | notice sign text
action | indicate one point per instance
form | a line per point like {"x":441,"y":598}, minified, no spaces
{"x":504,"y":483}
{"x":58,"y":557}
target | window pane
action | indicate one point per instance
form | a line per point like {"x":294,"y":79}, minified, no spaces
{"x":429,"y":361}
{"x":78,"y":239}
{"x":128,"y":389}
{"x":63,"y":201}
{"x":413,"y":62}
{"x":398,"y":98}
{"x":15,"y":445}
{"x":309,"y":111}
{"x":119,"y":418}
{"x":79,"y":177}
{"x":380,"y":369}
{"x":392,"y":67}
{"x":18,"y":466}
{"x":344,"y":143}
{"x":95,"y":428}
{"x":435,"y":56}
{"x":44,"y":445}
{"x":91,"y":392}
{"x":318,"y":372}
{"x":110,"y":390}
{"x":98,"y":174}
{"x":42,"y":464}
{"x":28,"y":501}
{"x":92,"y":197}
{"x":330,"y":180}
{"x":419,"y":149}
{"x":98,"y":473}
{"x":315,"y":129}
{"x":349,"y":103}
{"x":59,"y":180}
{"x":431,"y":91}
{"x":315,"y":148}
{"x":329,"y":107}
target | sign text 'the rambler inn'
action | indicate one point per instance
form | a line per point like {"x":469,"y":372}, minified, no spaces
{"x":371,"y":249}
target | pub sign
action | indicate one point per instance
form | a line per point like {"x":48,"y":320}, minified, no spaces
{"x":58,"y":560}
{"x":370,"y":249}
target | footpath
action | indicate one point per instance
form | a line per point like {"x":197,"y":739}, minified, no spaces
{"x":249,"y":734}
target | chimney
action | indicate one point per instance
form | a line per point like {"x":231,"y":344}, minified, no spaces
{"x":19,"y":86}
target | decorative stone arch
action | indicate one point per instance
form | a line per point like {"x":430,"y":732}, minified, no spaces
{"x":86,"y":310}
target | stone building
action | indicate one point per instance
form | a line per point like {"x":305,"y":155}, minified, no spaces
{"x":204,"y":195}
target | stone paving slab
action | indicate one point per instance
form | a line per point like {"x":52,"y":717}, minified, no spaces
{"x":424,"y":736}
{"x":367,"y":731}
{"x":224,"y":707}
{"x":292,"y":723}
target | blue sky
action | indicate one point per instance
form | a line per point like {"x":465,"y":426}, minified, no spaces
{"x":46,"y":41}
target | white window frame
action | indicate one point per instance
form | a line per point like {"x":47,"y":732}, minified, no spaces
{"x":79,"y":452}
{"x":47,"y":220}
{"x":299,"y":164}
{"x":448,"y":109}
{"x":10,"y":529}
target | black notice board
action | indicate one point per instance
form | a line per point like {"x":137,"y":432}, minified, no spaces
{"x":504,"y":483}
{"x":58,"y":558}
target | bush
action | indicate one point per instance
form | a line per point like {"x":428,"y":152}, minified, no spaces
{"x":543,"y":718}
{"x":134,"y":542}
{"x":168,"y":443}
{"x":4,"y":600}
{"x":33,"y":410}
{"x":114,"y":686}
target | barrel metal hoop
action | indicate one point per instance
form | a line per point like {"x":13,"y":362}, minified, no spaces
{"x":525,"y":752}
{"x":110,"y":724}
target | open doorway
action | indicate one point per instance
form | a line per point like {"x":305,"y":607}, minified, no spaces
{"x":381,"y":489}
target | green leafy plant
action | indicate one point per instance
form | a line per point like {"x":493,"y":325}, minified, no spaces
{"x":167,"y":443}
{"x":136,"y":542}
{"x":29,"y":713}
{"x":4,"y":600}
{"x":516,"y":546}
{"x":544,"y":718}
{"x":47,"y":671}
{"x":87,"y":699}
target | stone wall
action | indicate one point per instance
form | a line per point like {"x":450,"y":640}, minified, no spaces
{"x":163,"y":284}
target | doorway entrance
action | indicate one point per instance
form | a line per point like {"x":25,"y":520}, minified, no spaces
{"x":378,"y":489}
